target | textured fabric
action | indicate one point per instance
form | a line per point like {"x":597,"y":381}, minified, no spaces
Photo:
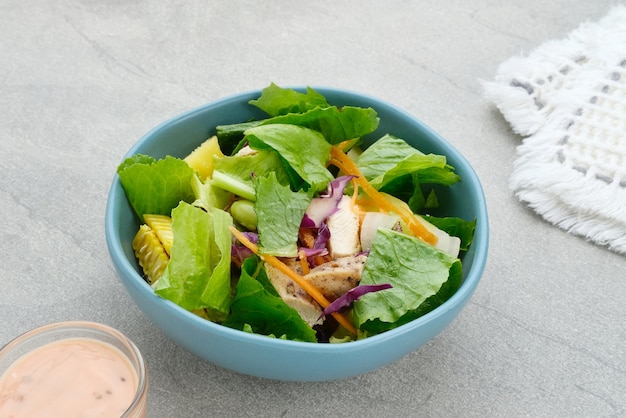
{"x":568,"y":99}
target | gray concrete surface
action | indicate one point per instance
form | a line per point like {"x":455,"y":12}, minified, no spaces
{"x":81,"y":81}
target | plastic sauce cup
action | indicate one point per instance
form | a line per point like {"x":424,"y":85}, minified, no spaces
{"x":72,"y":368}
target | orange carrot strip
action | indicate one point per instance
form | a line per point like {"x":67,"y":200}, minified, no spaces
{"x":355,"y":192}
{"x":342,"y":145}
{"x":300,"y":281}
{"x":354,"y":206}
{"x":345,"y":164}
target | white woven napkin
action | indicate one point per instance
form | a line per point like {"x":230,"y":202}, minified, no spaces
{"x":568,"y":99}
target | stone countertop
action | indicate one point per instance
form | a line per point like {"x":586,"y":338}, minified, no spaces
{"x":81,"y":81}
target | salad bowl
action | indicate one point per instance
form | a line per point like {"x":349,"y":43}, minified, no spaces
{"x":274,"y":358}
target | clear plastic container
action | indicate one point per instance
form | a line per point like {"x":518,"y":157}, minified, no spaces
{"x":89,"y":337}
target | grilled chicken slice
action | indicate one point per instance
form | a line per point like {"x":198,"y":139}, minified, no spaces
{"x":332,"y":279}
{"x":344,"y":230}
{"x":336,"y":277}
{"x":294,"y":296}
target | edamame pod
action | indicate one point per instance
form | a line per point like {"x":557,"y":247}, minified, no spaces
{"x":244,"y":214}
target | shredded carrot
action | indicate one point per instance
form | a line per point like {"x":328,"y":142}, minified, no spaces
{"x":348,"y":167}
{"x":300,"y":281}
{"x":355,"y":193}
{"x":342,"y":145}
{"x":354,"y":205}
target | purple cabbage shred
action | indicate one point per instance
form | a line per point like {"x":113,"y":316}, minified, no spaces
{"x":352,"y":296}
{"x":326,"y":204}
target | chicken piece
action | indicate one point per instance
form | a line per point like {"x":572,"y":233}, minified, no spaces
{"x":294,"y":296}
{"x":336,"y":277}
{"x":344,"y":230}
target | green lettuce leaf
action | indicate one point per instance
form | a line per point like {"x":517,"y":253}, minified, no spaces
{"x":230,"y":137}
{"x":279,"y":214}
{"x":310,"y":110}
{"x":155,"y":187}
{"x":258,"y":307}
{"x":391,"y":158}
{"x":383,"y":155}
{"x":135,"y":159}
{"x":457,"y":227}
{"x":422,"y":278}
{"x":198,"y":274}
{"x":418,"y":200}
{"x":305,"y":151}
{"x":276,"y":101}
{"x":208,"y":195}
{"x":236,"y":173}
{"x":431,"y":168}
{"x":393,"y":166}
{"x":335,"y":124}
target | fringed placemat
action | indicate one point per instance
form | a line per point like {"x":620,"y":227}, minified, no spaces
{"x":568,"y":99}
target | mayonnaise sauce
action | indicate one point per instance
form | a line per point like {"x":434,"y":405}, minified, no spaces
{"x":75,"y":377}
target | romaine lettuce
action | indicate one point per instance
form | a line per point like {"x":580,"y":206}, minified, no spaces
{"x":279,"y":212}
{"x":235,"y":174}
{"x":155,"y":187}
{"x":198,"y":274}
{"x":208,"y":195}
{"x":393,"y":166}
{"x":304,"y":150}
{"x":276,"y":101}
{"x":391,"y":158}
{"x":456,"y":227}
{"x":310,"y":110}
{"x":422,"y":277}
{"x":257,"y":305}
{"x":336,"y":124}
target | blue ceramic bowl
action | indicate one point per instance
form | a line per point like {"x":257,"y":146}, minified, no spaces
{"x":279,"y":359}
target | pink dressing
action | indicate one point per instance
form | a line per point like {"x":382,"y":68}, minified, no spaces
{"x":75,"y":377}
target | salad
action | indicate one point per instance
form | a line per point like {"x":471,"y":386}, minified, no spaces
{"x":289,"y":227}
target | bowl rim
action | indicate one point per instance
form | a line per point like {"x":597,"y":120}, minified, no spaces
{"x":460,"y":297}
